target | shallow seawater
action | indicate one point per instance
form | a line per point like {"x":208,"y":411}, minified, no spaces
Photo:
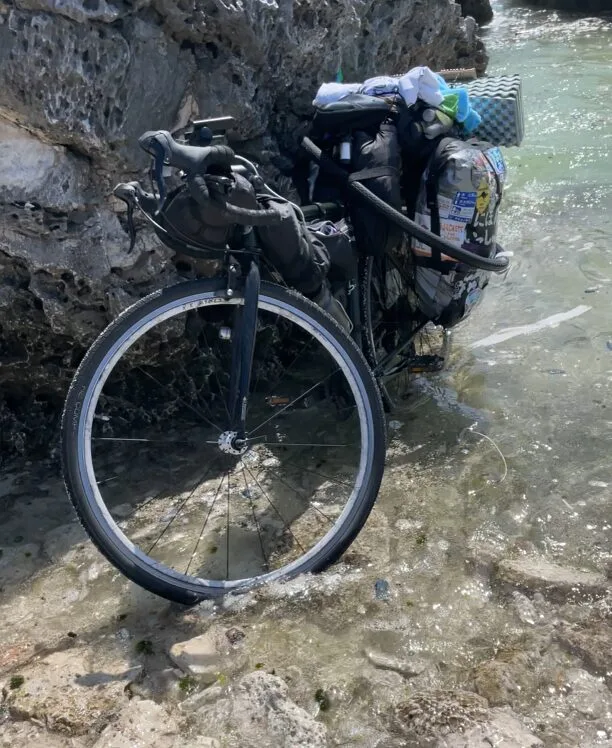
{"x":547,"y":394}
{"x":509,"y":449}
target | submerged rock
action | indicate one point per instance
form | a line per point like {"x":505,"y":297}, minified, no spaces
{"x":431,"y":713}
{"x":557,"y":583}
{"x":407,"y":668}
{"x":588,"y":694}
{"x":260,"y":713}
{"x":145,"y":724}
{"x":209,"y":656}
{"x":503,"y":728}
{"x":70,"y":694}
{"x":461,"y":719}
{"x":35,"y":736}
{"x":592,"y":643}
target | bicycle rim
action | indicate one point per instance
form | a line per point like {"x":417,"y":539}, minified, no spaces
{"x":156,"y":481}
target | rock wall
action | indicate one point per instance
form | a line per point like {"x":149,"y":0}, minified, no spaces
{"x":80,"y":80}
{"x":480,"y":10}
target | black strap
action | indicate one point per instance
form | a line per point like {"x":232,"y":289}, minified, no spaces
{"x":373,"y":173}
{"x":130,"y":225}
{"x":436,"y":167}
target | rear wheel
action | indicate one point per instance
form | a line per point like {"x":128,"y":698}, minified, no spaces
{"x":161,"y":483}
{"x":390,"y":317}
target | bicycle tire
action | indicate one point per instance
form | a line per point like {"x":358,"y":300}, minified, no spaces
{"x":369,"y":346}
{"x":101,"y":527}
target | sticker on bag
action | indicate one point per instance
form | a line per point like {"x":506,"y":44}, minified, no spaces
{"x":497,"y":159}
{"x":463,"y":206}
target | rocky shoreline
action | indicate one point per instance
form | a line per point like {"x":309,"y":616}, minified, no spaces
{"x":90,"y":661}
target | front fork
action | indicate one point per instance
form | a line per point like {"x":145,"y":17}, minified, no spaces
{"x":243,"y":348}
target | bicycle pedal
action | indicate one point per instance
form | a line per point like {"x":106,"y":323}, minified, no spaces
{"x":425,"y":364}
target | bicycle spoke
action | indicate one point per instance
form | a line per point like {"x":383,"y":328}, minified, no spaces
{"x":107,"y":480}
{"x":205,"y":523}
{"x":292,"y":403}
{"x":261,"y":545}
{"x":146,"y":441}
{"x":180,"y":509}
{"x":320,"y":475}
{"x":227,"y":530}
{"x":185,"y":403}
{"x":216,"y":376}
{"x":287,"y":369}
{"x":197,"y":399}
{"x":285,"y":525}
{"x":296,"y":444}
{"x":301,"y":495}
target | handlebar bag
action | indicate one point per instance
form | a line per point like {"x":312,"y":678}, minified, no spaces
{"x":187,"y":221}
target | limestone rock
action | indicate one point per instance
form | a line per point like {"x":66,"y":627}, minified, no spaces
{"x":558,"y":583}
{"x":33,"y":170}
{"x":503,"y":728}
{"x":209,"y":655}
{"x":427,"y":714}
{"x":480,"y":10}
{"x":33,"y":736}
{"x":259,"y":712}
{"x":460,"y":719}
{"x":70,"y":694}
{"x":592,"y":643}
{"x":145,"y":724}
{"x":142,"y":724}
{"x":506,"y":678}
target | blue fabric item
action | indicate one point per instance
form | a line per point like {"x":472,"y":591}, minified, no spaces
{"x":468,"y":117}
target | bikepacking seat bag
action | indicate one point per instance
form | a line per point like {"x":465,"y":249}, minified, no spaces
{"x":458,"y":199}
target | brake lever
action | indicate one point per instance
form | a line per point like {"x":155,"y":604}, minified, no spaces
{"x":221,"y":185}
{"x":132,"y":193}
{"x":125,"y":191}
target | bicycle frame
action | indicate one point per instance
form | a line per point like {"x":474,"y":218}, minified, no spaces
{"x":243,"y":339}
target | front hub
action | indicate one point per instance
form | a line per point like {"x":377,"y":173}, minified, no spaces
{"x":230,"y":444}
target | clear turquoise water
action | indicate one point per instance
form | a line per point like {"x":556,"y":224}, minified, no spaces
{"x":545,"y":397}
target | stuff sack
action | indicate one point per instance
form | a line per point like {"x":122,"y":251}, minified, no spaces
{"x":188,"y":221}
{"x":459,"y":198}
{"x":295,"y":253}
{"x":358,"y":132}
{"x":376,"y":162}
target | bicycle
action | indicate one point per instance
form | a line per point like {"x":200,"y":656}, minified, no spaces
{"x":232,"y":413}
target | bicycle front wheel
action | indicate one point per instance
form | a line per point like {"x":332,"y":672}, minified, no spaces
{"x":153,"y":470}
